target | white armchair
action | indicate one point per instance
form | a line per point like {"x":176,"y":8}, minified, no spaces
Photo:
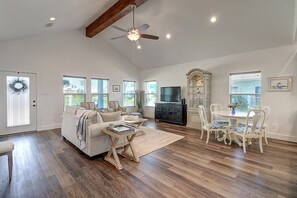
{"x":88,"y":105}
{"x":115,"y":106}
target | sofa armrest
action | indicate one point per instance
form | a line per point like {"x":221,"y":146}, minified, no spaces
{"x":95,"y":130}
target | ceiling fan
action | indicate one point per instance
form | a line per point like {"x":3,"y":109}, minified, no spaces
{"x":134,"y":33}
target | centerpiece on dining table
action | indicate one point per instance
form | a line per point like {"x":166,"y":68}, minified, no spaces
{"x":233,"y":106}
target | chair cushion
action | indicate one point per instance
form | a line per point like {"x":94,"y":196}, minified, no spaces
{"x":238,"y":129}
{"x":6,"y":147}
{"x":111,"y":116}
{"x":215,"y":125}
{"x":249,"y":125}
{"x":221,"y":122}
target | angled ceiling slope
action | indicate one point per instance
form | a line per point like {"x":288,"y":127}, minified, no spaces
{"x":241,"y":26}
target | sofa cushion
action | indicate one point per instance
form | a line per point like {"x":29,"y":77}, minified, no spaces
{"x":71,"y":109}
{"x":111,"y":116}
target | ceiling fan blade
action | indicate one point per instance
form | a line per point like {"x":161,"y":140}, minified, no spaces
{"x":119,"y":28}
{"x":118,"y":37}
{"x":143,"y":27}
{"x":148,"y":36}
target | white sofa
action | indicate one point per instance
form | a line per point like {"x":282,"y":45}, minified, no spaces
{"x":96,"y":141}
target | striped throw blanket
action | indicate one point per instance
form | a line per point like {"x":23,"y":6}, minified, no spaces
{"x":81,"y":128}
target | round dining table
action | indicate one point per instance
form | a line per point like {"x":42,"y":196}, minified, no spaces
{"x":232,"y":117}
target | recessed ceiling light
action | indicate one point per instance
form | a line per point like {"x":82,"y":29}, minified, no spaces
{"x":139,"y":46}
{"x":168,"y":36}
{"x":52,"y":19}
{"x":213,"y":19}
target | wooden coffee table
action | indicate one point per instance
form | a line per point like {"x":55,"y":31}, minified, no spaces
{"x":112,"y":155}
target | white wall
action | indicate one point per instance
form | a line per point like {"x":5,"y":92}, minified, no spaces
{"x":68,"y":53}
{"x":279,"y":61}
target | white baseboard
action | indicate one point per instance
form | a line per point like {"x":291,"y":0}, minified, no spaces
{"x":49,"y":127}
{"x":148,"y":115}
{"x":281,"y":137}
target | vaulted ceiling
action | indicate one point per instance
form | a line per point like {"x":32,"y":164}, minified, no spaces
{"x":242,"y":26}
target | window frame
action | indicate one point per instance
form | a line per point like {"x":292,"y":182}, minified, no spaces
{"x":124,"y":94}
{"x":101,"y":94}
{"x":244,"y":94}
{"x":73,"y":94}
{"x":147,"y":94}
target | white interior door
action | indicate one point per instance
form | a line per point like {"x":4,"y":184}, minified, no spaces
{"x":18,"y":102}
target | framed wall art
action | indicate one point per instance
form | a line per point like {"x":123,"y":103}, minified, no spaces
{"x":283,"y":83}
{"x":116,"y":88}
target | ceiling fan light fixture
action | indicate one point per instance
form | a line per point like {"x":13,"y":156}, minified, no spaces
{"x":133,"y":37}
{"x":133,"y":34}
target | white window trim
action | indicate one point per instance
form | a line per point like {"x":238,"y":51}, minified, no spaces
{"x":244,"y":94}
{"x":129,"y":93}
{"x":147,"y":94}
{"x":101,"y":94}
{"x":71,"y":94}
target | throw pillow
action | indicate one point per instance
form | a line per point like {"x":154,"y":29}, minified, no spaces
{"x":99,"y":118}
{"x":80,"y":111}
{"x":71,"y":109}
{"x":111,"y":116}
{"x":93,"y":116}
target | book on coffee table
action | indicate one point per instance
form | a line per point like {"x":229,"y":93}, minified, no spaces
{"x":121,"y":128}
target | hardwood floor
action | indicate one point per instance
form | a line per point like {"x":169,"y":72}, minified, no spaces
{"x":47,"y":166}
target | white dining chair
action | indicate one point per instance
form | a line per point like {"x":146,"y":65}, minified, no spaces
{"x":267,"y":111}
{"x":265,"y":125}
{"x":209,"y":127}
{"x":253,"y":128}
{"x":217,"y":107}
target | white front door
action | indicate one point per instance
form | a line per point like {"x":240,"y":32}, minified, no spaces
{"x":18,"y":102}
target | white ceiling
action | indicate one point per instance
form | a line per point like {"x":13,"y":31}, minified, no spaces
{"x":242,"y":25}
{"x":23,"y":18}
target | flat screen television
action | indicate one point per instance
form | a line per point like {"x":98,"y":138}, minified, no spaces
{"x":170,"y":94}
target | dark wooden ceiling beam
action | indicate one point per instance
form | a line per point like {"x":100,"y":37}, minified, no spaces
{"x":117,"y":11}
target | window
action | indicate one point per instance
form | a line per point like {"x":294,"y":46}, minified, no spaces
{"x":245,"y":90}
{"x":74,"y":90}
{"x":99,"y":91}
{"x":150,"y":93}
{"x":129,"y":93}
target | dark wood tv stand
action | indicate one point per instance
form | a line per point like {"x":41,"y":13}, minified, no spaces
{"x":171,"y":112}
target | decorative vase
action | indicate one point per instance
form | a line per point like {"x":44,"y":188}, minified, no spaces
{"x":233,"y":111}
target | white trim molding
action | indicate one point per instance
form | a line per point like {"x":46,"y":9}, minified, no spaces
{"x":49,"y":127}
{"x":281,"y":137}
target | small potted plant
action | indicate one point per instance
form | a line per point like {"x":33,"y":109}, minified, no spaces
{"x":233,"y":106}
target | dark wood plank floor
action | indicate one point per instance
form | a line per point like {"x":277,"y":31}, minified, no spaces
{"x":47,"y":166}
